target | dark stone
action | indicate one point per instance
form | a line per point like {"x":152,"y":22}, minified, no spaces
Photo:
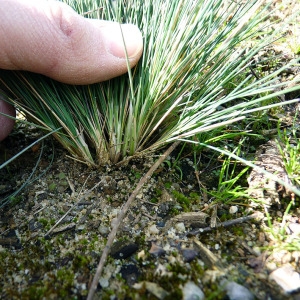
{"x":130,"y":273}
{"x":11,"y":240}
{"x":109,"y":185}
{"x":160,"y":224}
{"x":34,"y":225}
{"x":189,"y":254}
{"x":164,"y":209}
{"x":122,"y":250}
{"x":156,"y":250}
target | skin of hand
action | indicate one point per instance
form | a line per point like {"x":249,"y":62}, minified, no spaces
{"x":50,"y":38}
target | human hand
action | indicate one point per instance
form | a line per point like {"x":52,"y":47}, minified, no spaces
{"x":50,"y":38}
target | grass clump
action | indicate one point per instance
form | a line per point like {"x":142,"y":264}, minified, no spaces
{"x":194,"y":76}
{"x":289,"y":148}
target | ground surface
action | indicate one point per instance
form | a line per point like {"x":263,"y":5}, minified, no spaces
{"x":43,"y":256}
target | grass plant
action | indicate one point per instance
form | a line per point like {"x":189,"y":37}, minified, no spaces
{"x":278,"y":232}
{"x":289,"y":148}
{"x":194,"y":76}
{"x":228,"y":189}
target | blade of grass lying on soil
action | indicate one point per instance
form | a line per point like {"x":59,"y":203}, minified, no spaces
{"x":289,"y":187}
{"x":194,"y":75}
{"x":30,"y":179}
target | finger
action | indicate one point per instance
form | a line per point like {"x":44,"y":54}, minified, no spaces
{"x":49,"y":38}
{"x":6,"y":124}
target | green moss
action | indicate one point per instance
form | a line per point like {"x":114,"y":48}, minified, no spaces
{"x":43,"y":221}
{"x":80,"y":261}
{"x":195,"y":196}
{"x":52,"y":186}
{"x":238,"y":231}
{"x":225,"y":217}
{"x":61,"y":176}
{"x":35,"y":292}
{"x":63,"y":183}
{"x":158,"y":192}
{"x":182,"y":199}
{"x":168,"y":185}
{"x":84,"y":242}
{"x":15,"y":200}
{"x":154,"y":200}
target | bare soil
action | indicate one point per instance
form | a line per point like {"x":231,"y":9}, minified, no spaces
{"x":53,"y":232}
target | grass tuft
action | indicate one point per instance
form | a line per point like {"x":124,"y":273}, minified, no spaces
{"x":194,"y":76}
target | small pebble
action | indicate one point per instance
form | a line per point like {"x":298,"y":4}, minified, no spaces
{"x":236,"y":291}
{"x":141,"y":255}
{"x":122,"y":250}
{"x":189,"y":254}
{"x":180,"y":227}
{"x":130,"y":273}
{"x":233,"y":209}
{"x":293,"y":228}
{"x":81,"y":227}
{"x":139,"y":196}
{"x":176,"y":186}
{"x":286,"y":258}
{"x":257,"y":250}
{"x":154,"y":289}
{"x":287,"y":278}
{"x":104,"y":230}
{"x":153,"y":229}
{"x":191,"y":291}
{"x":160,"y":224}
{"x":271,"y":265}
{"x":104,"y":282}
{"x":156,"y":250}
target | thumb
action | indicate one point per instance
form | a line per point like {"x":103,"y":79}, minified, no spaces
{"x":50,"y":38}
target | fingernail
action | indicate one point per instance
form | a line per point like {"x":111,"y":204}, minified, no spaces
{"x":132,"y":37}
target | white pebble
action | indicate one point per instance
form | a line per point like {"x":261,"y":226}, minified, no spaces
{"x":287,"y":278}
{"x":257,"y":250}
{"x":191,"y":291}
{"x":236,"y":291}
{"x":233,"y":209}
{"x":104,"y":282}
{"x":139,"y":196}
{"x":142,"y":254}
{"x":180,"y":227}
{"x":153,"y":229}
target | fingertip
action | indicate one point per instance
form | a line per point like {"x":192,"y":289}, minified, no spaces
{"x":101,"y":52}
{"x":123,"y":40}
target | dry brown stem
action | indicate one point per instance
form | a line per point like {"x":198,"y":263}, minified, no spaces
{"x":121,"y":216}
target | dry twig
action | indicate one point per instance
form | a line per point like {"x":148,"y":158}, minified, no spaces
{"x":257,"y":215}
{"x":121,"y":216}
